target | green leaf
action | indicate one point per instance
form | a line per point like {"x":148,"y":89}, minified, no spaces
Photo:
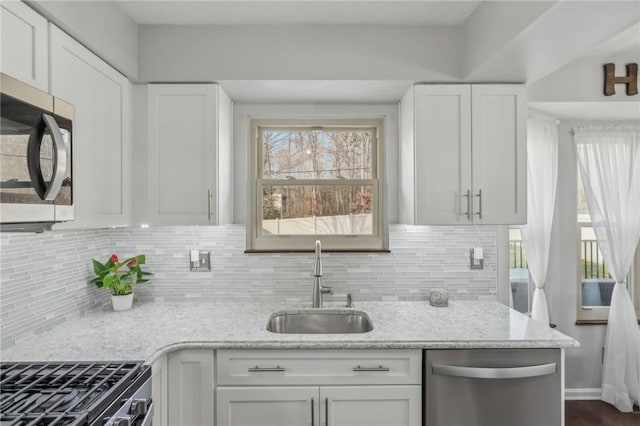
{"x":109,"y":280}
{"x":98,"y":267}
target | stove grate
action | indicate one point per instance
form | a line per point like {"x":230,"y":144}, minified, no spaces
{"x":36,"y":393}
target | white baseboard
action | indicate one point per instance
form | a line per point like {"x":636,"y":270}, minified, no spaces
{"x":582,"y":393}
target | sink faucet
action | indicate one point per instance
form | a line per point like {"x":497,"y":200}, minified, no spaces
{"x":318,"y":289}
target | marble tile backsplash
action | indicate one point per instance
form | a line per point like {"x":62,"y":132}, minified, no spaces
{"x":45,"y":276}
{"x":43,"y":279}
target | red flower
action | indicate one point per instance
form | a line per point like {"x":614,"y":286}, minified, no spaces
{"x":114,"y":258}
{"x":133,"y":263}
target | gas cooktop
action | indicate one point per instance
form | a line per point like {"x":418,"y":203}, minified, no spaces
{"x":66,"y":393}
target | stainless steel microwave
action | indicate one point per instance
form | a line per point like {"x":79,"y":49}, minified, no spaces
{"x":36,"y":185}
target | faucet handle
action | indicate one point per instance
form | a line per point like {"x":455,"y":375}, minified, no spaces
{"x":326,"y":290}
{"x":349,"y":301}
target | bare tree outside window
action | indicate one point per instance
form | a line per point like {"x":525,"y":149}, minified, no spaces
{"x":333,"y":154}
{"x":317,"y":180}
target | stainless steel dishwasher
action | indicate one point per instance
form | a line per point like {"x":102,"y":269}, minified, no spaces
{"x":493,"y":387}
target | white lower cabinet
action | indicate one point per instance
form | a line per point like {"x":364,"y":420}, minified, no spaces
{"x":267,"y":406}
{"x":370,"y":405}
{"x":319,"y":387}
{"x":159,"y":389}
{"x":190,"y":388}
{"x":324,"y":405}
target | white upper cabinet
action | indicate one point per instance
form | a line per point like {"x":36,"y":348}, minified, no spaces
{"x":101,"y":98}
{"x":24,"y":44}
{"x":499,"y":154}
{"x":463,"y":155}
{"x":185,"y":166}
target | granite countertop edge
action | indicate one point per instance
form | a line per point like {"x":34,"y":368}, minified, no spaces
{"x":151,"y":330}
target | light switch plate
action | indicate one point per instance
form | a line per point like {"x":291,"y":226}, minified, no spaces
{"x":205,"y":263}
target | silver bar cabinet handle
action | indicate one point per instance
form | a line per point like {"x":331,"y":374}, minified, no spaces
{"x":313,"y":420}
{"x":494,"y":373}
{"x":468,"y":197}
{"x":378,"y":368}
{"x":258,"y":369}
{"x":208,"y":204}
{"x":326,"y":411}
{"x":479,"y":203}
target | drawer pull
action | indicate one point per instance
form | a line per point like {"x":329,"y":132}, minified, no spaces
{"x":257,"y":369}
{"x":378,"y":368}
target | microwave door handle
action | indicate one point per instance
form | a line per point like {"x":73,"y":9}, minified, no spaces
{"x":59,"y":158}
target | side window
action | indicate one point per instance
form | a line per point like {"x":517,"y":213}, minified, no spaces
{"x":316,"y":180}
{"x":595,"y":285}
{"x":518,"y":272}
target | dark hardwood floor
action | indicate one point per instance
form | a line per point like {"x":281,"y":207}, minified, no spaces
{"x":598,"y":413}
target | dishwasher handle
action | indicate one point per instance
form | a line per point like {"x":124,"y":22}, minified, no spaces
{"x":494,"y":373}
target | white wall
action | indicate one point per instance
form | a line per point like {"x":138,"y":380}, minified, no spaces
{"x":100,"y":26}
{"x":313,"y":52}
{"x":583,"y":80}
{"x":574,"y":93}
{"x":242,"y":115}
{"x":583,"y":364}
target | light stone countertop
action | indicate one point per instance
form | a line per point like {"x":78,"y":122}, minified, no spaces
{"x":151,"y":329}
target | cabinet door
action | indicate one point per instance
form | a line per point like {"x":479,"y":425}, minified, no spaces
{"x":267,"y":406}
{"x":371,"y":405}
{"x":24,"y":44}
{"x":499,"y":154}
{"x":101,"y":146}
{"x":442,"y":154}
{"x":182,"y":151}
{"x":159,"y":391}
{"x":190,"y":387}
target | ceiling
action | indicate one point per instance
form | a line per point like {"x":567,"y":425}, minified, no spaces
{"x":299,"y":12}
{"x":628,"y":40}
{"x":533,"y":29}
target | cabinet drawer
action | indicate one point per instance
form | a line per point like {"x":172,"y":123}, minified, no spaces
{"x":319,"y":367}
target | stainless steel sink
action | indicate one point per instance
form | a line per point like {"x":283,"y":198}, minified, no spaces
{"x":320,"y":321}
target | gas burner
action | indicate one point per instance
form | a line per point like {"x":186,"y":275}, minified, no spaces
{"x":78,"y":393}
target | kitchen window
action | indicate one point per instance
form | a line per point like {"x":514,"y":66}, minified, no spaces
{"x":521,"y":291}
{"x":317,"y":179}
{"x":595,"y":285}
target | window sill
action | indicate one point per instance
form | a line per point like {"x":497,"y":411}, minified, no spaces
{"x":594,"y":322}
{"x":254,"y":251}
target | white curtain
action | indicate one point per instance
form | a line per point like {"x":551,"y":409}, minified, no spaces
{"x":542,"y":171}
{"x":609,"y":160}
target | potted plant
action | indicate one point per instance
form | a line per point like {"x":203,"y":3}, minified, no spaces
{"x":120,"y":277}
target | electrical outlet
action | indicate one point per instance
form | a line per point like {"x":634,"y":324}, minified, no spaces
{"x":203,"y":264}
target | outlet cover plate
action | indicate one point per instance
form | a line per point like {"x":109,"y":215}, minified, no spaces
{"x":205,"y":263}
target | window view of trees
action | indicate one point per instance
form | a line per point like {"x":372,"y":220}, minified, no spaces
{"x":315,"y":170}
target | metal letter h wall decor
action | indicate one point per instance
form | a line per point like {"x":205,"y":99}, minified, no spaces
{"x":610,"y":79}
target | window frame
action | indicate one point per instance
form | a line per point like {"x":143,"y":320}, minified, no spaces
{"x":257,"y":242}
{"x":601,"y":315}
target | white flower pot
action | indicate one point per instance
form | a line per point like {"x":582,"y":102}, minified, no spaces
{"x":122,"y":303}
